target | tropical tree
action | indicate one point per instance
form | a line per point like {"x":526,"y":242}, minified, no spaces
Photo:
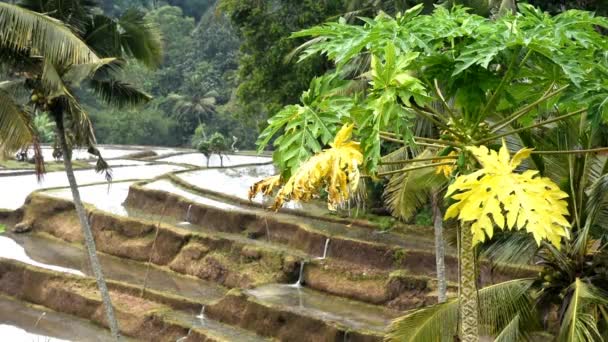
{"x":216,"y":144}
{"x":476,"y":80}
{"x":191,"y":111}
{"x":24,"y":31}
{"x":568,"y":298}
{"x":52,"y":81}
{"x":129,"y":35}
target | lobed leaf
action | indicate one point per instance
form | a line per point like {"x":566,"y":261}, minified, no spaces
{"x":495,"y":196}
{"x":335,"y":169}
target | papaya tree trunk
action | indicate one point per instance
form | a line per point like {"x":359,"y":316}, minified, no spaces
{"x":439,"y":248}
{"x":88,"y":234}
{"x":469,"y":324}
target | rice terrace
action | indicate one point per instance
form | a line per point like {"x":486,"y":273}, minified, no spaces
{"x":281,"y":170}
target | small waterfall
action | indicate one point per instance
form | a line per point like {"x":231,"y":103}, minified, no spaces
{"x":267,"y":229}
{"x":201,"y":318}
{"x":325,"y":249}
{"x":188,"y":213}
{"x":201,"y":315}
{"x":39,"y":319}
{"x":301,"y":276}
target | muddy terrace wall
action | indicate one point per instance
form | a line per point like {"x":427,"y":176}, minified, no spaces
{"x":151,"y":318}
{"x":295,"y":233}
{"x":290,"y":233}
{"x":204,"y":256}
{"x":227,"y":262}
{"x":78,"y":296}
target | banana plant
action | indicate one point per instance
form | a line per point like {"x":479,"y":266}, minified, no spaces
{"x":508,"y":77}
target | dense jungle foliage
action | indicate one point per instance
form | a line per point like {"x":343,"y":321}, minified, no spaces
{"x":228,"y":65}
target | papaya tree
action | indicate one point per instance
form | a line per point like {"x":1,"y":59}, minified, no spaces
{"x":567,"y":298}
{"x":487,"y":85}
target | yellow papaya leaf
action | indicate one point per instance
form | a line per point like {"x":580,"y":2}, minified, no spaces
{"x":446,"y":170}
{"x":496,"y":196}
{"x":335,"y":169}
{"x":266,"y":186}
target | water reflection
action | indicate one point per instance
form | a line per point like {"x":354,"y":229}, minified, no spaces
{"x":57,"y":255}
{"x":312,"y":303}
{"x":198,"y":159}
{"x":10,"y":249}
{"x":106,"y":197}
{"x":213,"y":328}
{"x":19,"y":187}
{"x":167,"y":186}
{"x":27,"y":323}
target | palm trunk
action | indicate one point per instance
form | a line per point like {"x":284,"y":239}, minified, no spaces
{"x":88,"y":234}
{"x":469,"y":325}
{"x":439,"y":248}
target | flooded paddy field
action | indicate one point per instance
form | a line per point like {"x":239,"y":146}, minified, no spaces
{"x":182,"y":241}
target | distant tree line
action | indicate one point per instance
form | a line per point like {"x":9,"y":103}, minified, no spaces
{"x":227,"y":63}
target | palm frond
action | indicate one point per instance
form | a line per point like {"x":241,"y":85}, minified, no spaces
{"x":596,"y":209}
{"x":16,"y":126}
{"x":52,"y":82}
{"x":522,"y":140}
{"x":79,"y":131}
{"x":77,"y":73}
{"x":512,"y":249}
{"x":16,"y":89}
{"x":141,"y":38}
{"x":353,"y":87}
{"x":564,"y":136}
{"x":499,"y":304}
{"x":598,"y":167}
{"x":11,"y":86}
{"x":103,"y":36}
{"x":74,"y":13}
{"x":22,"y":29}
{"x":77,"y":122}
{"x":402,"y":153}
{"x":434,"y":323}
{"x":118,"y":93}
{"x":556,"y":258}
{"x":406,"y":192}
{"x":511,"y":332}
{"x":579,"y":322}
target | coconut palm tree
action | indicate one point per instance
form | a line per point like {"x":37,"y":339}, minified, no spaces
{"x":26,"y":32}
{"x":190,"y":111}
{"x":52,"y":81}
{"x":193,"y":110}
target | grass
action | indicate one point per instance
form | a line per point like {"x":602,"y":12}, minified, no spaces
{"x":11,"y":164}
